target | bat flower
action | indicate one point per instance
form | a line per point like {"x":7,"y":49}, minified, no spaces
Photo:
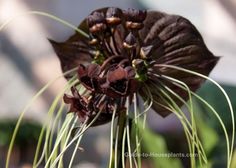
{"x":121,"y":57}
{"x":79,"y":104}
{"x":120,"y":82}
{"x":88,"y":107}
{"x":89,"y":76}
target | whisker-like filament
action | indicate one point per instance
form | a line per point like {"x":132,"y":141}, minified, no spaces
{"x":75,"y":150}
{"x":193,"y":131}
{"x":137,"y":139}
{"x":229,"y":149}
{"x":84,"y":128}
{"x":190,"y":108}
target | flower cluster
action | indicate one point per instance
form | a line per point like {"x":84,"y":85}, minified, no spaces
{"x":121,"y":56}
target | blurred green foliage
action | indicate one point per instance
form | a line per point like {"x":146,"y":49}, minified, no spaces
{"x":155,"y":148}
{"x":28,"y":132}
{"x":215,"y":146}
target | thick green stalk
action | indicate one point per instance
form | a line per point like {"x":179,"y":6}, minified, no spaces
{"x":121,"y":124}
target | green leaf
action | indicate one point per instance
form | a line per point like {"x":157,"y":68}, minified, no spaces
{"x":156,"y":149}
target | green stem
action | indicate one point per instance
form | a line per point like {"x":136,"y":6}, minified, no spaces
{"x":121,"y":124}
{"x":128,"y":128}
{"x":111,"y":138}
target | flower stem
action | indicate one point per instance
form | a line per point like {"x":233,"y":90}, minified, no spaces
{"x":121,"y":125}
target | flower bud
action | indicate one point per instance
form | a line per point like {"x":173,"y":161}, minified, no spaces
{"x":130,"y":41}
{"x":96,"y":22}
{"x":113,"y":16}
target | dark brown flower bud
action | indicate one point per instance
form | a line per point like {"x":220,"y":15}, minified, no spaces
{"x":130,"y":41}
{"x":134,"y":18}
{"x":145,"y":52}
{"x":135,"y":15}
{"x":113,"y":16}
{"x":96,"y":22}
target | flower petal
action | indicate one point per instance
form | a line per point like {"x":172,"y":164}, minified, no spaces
{"x":180,"y":44}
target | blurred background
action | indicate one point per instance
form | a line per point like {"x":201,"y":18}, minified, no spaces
{"x":27,"y":63}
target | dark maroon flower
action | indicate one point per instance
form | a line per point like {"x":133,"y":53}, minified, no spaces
{"x":89,"y":76}
{"x":88,"y":107}
{"x":122,"y":53}
{"x":120,"y":82}
{"x":78,"y":104}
